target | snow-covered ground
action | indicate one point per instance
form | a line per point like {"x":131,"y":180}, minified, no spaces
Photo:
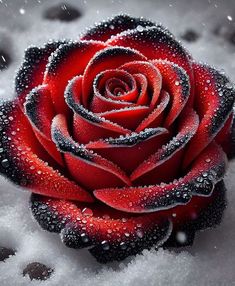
{"x":211,"y":260}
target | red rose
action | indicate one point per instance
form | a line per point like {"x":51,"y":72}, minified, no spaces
{"x":122,"y":138}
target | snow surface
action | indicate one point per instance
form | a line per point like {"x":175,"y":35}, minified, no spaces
{"x":211,"y":261}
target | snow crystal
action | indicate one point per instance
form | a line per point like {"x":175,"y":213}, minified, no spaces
{"x":211,"y":260}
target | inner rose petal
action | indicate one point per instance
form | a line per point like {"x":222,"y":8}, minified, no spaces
{"x":109,"y":58}
{"x":113,"y":89}
{"x":152,"y":74}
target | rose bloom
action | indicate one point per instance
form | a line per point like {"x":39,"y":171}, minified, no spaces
{"x":122,"y":138}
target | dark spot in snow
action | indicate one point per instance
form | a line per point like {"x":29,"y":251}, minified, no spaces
{"x":226,"y":31}
{"x":63,"y":12}
{"x":37,"y":271}
{"x":5,"y":253}
{"x":190,"y":36}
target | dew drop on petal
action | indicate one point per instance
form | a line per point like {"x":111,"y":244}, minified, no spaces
{"x":5,"y":163}
{"x":105,"y":245}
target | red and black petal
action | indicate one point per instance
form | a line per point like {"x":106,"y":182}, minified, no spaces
{"x":88,"y":126}
{"x":24,"y":161}
{"x":208,"y":169}
{"x":106,"y":29}
{"x":176,"y":82}
{"x":106,"y":59}
{"x":103,"y":101}
{"x":80,"y":226}
{"x":40,"y":112}
{"x":152,"y":74}
{"x":32,"y":69}
{"x":66,"y":62}
{"x":157,"y":43}
{"x":158,"y":167}
{"x":226,"y":137}
{"x":81,"y":162}
{"x":109,"y":234}
{"x":130,"y":150}
{"x":155,"y":118}
{"x":206,"y":215}
{"x":214,"y":102}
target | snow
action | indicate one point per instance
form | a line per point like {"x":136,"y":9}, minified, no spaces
{"x":212,"y":258}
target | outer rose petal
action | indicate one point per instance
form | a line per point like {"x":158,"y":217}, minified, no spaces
{"x":226,"y":136}
{"x":157,"y":43}
{"x":40,"y":112}
{"x":214,"y":103}
{"x":83,"y":164}
{"x":104,"y":30}
{"x":66,"y":62}
{"x":32,"y":69}
{"x":110,"y":235}
{"x":21,"y":159}
{"x":207,"y":170}
{"x":99,"y":227}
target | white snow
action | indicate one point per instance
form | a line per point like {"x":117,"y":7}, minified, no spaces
{"x":212,"y":258}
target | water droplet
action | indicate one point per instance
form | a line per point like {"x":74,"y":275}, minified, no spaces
{"x":177,"y":82}
{"x":5,"y":163}
{"x":105,"y":245}
{"x":87,"y":212}
{"x":139,"y":233}
{"x":139,"y":28}
{"x":84,"y":238}
{"x":123,"y":245}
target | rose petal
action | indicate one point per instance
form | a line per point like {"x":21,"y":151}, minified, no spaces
{"x":214,"y":103}
{"x":206,"y":171}
{"x":155,"y":118}
{"x":88,"y":126}
{"x":152,"y":74}
{"x":226,"y":138}
{"x":142,"y":85}
{"x":40,"y":112}
{"x":83,"y":164}
{"x":176,"y":82}
{"x":167,"y":154}
{"x":106,"y":59}
{"x":22,"y":162}
{"x":199,"y":214}
{"x":102,"y":103}
{"x":129,"y":151}
{"x":32,"y":69}
{"x":129,"y":117}
{"x":66,"y":62}
{"x":157,"y":43}
{"x":106,"y":29}
{"x":108,"y":234}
